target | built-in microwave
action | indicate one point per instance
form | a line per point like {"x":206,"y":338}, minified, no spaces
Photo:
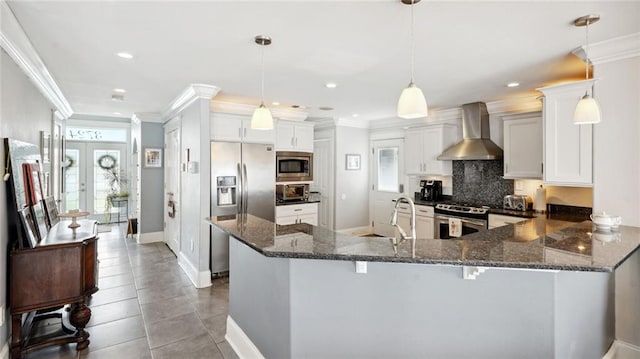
{"x":294,"y":166}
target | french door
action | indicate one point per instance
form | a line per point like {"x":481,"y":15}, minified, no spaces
{"x":386,"y":179}
{"x":89,"y":167}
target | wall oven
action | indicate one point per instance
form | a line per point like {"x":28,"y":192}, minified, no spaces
{"x":294,"y":166}
{"x":472,"y":219}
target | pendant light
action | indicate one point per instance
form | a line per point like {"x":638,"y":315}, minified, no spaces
{"x":261,"y":119}
{"x":587,"y":109}
{"x":412,"y":103}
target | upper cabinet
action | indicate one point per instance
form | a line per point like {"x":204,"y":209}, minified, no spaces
{"x":294,"y":136}
{"x":523,"y":146}
{"x":237,"y":128}
{"x":568,"y":148}
{"x":423,"y":145}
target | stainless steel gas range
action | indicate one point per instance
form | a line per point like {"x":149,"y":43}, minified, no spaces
{"x":471,"y":219}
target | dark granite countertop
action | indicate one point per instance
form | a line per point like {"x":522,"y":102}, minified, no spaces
{"x":537,"y":243}
{"x":295,"y":202}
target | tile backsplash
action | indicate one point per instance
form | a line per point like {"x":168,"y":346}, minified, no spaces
{"x":480,"y":182}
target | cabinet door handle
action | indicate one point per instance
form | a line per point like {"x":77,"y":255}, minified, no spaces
{"x":296,"y":141}
{"x":245,"y":132}
{"x":542,"y":168}
{"x":297,"y":210}
{"x":506,"y":168}
{"x":239,"y":132}
{"x":292,"y":142}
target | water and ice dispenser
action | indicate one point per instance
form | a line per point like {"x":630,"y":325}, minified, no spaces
{"x":226,"y":187}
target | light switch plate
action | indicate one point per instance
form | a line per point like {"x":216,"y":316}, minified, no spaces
{"x":361,"y":267}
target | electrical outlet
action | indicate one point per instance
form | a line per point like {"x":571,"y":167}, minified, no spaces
{"x":361,"y":267}
{"x":519,"y":185}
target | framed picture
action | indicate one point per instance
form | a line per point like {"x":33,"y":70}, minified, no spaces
{"x":28,"y":226}
{"x":153,"y":157}
{"x":352,"y":162}
{"x":39,"y":220}
{"x":51,"y":209}
{"x":45,"y":146}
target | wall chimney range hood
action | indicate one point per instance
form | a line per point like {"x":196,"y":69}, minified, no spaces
{"x":476,"y":143}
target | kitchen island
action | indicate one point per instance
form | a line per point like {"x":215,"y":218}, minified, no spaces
{"x":539,"y":288}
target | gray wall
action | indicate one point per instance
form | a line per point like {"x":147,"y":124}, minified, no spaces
{"x":323,"y":309}
{"x":152,"y":181}
{"x":628,"y":300}
{"x":352,"y":210}
{"x":24,"y":112}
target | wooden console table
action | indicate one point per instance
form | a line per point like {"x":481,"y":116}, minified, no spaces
{"x":61,"y":270}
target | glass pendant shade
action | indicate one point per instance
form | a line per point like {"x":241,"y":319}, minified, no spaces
{"x":261,"y":119}
{"x":587,"y":111}
{"x":412,"y":103}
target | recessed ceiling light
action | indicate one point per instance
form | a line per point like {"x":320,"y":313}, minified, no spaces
{"x":117,"y":97}
{"x":125,"y":55}
{"x":275,"y":103}
{"x":119,"y":90}
{"x":513,"y":84}
{"x":355,"y":115}
{"x":331,"y":85}
{"x":117,"y":113}
{"x":325,"y":108}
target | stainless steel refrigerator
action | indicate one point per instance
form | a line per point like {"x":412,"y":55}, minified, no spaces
{"x":242,"y":182}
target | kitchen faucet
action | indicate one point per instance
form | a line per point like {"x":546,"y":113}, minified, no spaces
{"x":412,"y":223}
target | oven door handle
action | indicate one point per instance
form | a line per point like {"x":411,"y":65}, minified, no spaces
{"x":445,"y":219}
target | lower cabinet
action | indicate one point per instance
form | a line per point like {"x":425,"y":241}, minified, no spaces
{"x":297,"y":213}
{"x":424,"y":221}
{"x":498,"y":220}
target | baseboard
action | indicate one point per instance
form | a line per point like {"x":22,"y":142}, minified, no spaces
{"x":4,"y":353}
{"x":619,"y":345}
{"x":199,"y":279}
{"x":150,"y":237}
{"x":355,"y":231}
{"x":240,"y":342}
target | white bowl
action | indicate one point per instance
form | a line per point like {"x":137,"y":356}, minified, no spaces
{"x":605,"y":221}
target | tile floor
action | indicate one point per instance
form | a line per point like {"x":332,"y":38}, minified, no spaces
{"x":147,"y":308}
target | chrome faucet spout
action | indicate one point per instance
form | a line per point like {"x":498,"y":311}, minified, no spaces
{"x":412,"y":222}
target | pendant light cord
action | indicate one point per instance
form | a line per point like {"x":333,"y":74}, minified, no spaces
{"x":587,"y":51}
{"x":412,"y":42}
{"x":262,"y":85}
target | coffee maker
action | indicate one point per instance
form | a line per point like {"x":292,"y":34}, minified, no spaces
{"x":431,"y":190}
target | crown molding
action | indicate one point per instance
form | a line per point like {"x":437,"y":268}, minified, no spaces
{"x":247,"y":110}
{"x":192,"y":93}
{"x":515,"y":105}
{"x":16,"y":43}
{"x":147,"y":117}
{"x":584,"y":84}
{"x":615,"y":49}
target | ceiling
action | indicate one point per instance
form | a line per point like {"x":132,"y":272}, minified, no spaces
{"x":464,"y":51}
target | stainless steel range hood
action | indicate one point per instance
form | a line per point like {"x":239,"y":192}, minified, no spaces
{"x":476,"y":143}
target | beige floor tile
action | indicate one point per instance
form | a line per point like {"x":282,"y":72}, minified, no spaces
{"x":216,"y":326}
{"x":134,"y":349}
{"x":111,"y":295}
{"x":115,"y":281}
{"x":227,"y":350}
{"x":114,"y":311}
{"x":166,"y":309}
{"x":174,"y":329}
{"x":116,"y":332}
{"x":200,"y":346}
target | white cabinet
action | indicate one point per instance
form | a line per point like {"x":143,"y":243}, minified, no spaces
{"x":498,"y":220}
{"x":294,"y":136}
{"x":236,"y":128}
{"x":423,"y":146}
{"x":297,"y":213}
{"x":424,"y":221}
{"x":523,"y":146}
{"x":568,"y":148}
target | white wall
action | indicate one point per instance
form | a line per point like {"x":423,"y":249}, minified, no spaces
{"x":195,"y":189}
{"x":616,"y":140}
{"x":352,"y":187}
{"x":24,"y":112}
